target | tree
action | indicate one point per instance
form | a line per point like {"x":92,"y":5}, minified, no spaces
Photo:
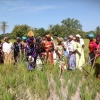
{"x":97,"y":30}
{"x":4,"y":26}
{"x":20,"y":30}
{"x":72,"y":24}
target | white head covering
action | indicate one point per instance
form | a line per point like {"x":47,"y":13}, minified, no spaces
{"x":78,"y":36}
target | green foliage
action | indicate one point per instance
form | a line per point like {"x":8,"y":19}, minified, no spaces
{"x":20,"y":30}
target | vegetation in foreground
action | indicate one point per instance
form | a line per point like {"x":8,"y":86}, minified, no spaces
{"x":17,"y":83}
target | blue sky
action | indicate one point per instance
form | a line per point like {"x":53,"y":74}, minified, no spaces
{"x":42,"y":13}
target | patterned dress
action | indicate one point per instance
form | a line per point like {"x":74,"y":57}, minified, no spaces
{"x":61,"y":60}
{"x":31,"y":56}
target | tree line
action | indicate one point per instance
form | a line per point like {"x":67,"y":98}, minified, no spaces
{"x":68,"y":26}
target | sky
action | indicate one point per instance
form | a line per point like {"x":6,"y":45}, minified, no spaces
{"x":42,"y":13}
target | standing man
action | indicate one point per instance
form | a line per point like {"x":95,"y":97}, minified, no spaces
{"x":7,"y":50}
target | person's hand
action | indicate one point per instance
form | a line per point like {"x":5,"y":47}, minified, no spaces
{"x":79,"y":54}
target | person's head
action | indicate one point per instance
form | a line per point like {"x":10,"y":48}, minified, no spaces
{"x":6,"y":39}
{"x":91,"y":36}
{"x":98,"y":39}
{"x":78,"y":37}
{"x":59,"y":40}
{"x":30,"y":34}
{"x":18,"y":39}
{"x":70,"y":38}
{"x":24,"y":38}
{"x":48,"y":37}
{"x":65,"y":39}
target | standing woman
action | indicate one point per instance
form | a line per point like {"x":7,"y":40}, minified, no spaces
{"x":71,"y":55}
{"x":97,"y":59}
{"x":49,"y":48}
{"x":7,"y":50}
{"x":92,"y":48}
{"x":1,"y":53}
{"x":60,"y":54}
{"x":80,"y":60}
{"x":31,"y":51}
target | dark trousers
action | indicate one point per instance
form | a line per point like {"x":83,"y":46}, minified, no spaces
{"x":92,"y":56}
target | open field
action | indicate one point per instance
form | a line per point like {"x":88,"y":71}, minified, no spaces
{"x":17,"y":83}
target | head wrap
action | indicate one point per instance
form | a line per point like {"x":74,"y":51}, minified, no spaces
{"x":48,"y":36}
{"x":5,"y":38}
{"x":78,"y":36}
{"x":71,"y":36}
{"x":18,"y":38}
{"x":65,"y":38}
{"x":24,"y":38}
{"x":30,"y":33}
{"x":91,"y":35}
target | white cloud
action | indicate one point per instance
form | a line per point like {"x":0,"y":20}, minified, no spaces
{"x":22,"y":6}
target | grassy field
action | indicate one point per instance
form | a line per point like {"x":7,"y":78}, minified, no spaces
{"x":17,"y":83}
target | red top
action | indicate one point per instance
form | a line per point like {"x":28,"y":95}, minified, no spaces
{"x":98,"y":49}
{"x":92,"y":46}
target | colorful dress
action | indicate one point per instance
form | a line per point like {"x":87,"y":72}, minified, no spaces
{"x":61,"y":60}
{"x":49,"y":48}
{"x":80,"y":60}
{"x":31,"y":56}
{"x":71,"y":56}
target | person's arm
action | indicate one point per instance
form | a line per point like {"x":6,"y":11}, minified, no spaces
{"x":75,"y":49}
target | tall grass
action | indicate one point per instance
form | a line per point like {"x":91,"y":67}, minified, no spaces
{"x":17,"y":83}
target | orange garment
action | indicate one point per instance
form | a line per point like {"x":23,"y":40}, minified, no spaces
{"x":49,"y":46}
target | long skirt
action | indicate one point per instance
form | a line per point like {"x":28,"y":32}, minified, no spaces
{"x":72,"y":61}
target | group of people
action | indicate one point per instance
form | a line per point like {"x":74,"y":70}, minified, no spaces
{"x":44,"y":50}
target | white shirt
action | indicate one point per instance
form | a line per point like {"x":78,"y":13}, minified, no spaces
{"x":81,"y":41}
{"x":71,"y":45}
{"x":7,"y":47}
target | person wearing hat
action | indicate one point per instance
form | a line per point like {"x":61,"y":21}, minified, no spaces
{"x":92,"y":48}
{"x":79,"y":49}
{"x":30,"y":54}
{"x":71,"y":55}
{"x":7,"y":50}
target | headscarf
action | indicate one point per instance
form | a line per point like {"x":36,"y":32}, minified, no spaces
{"x":65,"y":39}
{"x":24,"y":38}
{"x":91,"y":35}
{"x":71,"y":36}
{"x":5,"y":38}
{"x":78,"y":36}
{"x":30,"y":33}
{"x":48,"y":36}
